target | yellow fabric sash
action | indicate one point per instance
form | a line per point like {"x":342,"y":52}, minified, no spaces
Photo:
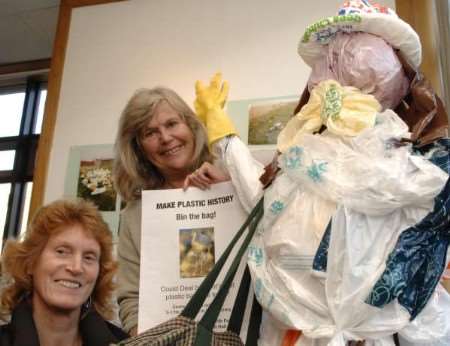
{"x":345,"y":111}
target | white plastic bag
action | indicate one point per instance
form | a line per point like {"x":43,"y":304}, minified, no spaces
{"x":432,"y":326}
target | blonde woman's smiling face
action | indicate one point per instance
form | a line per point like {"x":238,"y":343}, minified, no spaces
{"x":66,"y":271}
{"x":168,"y":142}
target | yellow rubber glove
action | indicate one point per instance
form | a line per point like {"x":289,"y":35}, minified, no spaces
{"x":209,"y":105}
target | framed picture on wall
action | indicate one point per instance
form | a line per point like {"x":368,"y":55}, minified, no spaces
{"x":260,"y":120}
{"x":95,"y":183}
{"x":89,"y":176}
{"x":267,"y":119}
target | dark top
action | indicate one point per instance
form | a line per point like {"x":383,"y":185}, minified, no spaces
{"x":21,"y":331}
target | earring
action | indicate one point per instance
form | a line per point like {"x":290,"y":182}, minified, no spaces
{"x":86,"y":307}
{"x":88,"y":303}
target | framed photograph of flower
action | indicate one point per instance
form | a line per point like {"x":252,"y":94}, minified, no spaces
{"x":95,"y":183}
{"x":89,"y":176}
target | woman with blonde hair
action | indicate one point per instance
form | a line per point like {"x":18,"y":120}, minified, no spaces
{"x":60,"y":280}
{"x":160,"y":144}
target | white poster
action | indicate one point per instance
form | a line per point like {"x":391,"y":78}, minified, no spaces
{"x":183,"y":235}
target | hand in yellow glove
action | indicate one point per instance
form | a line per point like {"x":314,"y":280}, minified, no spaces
{"x":209,"y":107}
{"x":212,"y":96}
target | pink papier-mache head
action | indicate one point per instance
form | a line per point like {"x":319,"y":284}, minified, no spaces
{"x":358,"y":47}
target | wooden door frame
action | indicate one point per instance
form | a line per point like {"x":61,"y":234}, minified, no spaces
{"x":420,"y":15}
{"x":53,"y":92}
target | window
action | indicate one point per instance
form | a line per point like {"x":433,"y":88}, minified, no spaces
{"x":21,"y":114}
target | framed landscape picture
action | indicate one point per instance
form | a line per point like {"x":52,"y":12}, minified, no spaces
{"x":260,"y":120}
{"x":266,"y":120}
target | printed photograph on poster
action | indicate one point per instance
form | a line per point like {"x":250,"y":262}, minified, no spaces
{"x":89,"y":176}
{"x":95,"y":183}
{"x":196,"y":252}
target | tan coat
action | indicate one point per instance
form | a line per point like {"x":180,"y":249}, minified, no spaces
{"x":129,"y":255}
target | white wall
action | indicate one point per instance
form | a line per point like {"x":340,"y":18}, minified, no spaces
{"x":116,"y":48}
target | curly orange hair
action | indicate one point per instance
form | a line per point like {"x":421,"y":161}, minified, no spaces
{"x":20,"y":256}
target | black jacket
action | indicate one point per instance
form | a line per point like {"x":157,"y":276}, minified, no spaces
{"x":21,"y":331}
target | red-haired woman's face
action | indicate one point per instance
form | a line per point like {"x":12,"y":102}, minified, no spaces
{"x":66,"y":271}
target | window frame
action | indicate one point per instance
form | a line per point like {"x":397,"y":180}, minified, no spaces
{"x":25,"y":145}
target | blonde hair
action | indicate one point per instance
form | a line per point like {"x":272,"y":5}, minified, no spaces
{"x":19,"y":256}
{"x":132,"y":170}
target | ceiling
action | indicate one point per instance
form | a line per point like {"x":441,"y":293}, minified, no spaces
{"x":27,"y":29}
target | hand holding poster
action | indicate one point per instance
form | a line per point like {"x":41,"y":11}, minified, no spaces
{"x":183,"y":234}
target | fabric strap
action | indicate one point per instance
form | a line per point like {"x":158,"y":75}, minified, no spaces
{"x":255,"y":322}
{"x":237,"y":316}
{"x":206,"y":324}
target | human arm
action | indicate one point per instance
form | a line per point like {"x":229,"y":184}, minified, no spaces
{"x":204,"y":176}
{"x":235,"y":163}
{"x":128,"y":255}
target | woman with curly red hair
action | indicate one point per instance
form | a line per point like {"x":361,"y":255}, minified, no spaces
{"x":61,"y":279}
